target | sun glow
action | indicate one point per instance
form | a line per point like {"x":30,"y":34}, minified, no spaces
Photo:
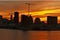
{"x":42,"y":13}
{"x":39,"y":14}
{"x":45,"y":12}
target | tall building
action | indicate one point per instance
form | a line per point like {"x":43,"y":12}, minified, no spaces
{"x":30,"y":19}
{"x":52,"y":20}
{"x":24,"y":19}
{"x":26,"y":22}
{"x":11,"y":17}
{"x":16,"y":17}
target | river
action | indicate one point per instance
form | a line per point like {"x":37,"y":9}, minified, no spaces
{"x":6,"y":34}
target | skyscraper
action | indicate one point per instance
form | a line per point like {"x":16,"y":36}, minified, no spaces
{"x":16,"y":17}
{"x":52,"y":20}
{"x":30,"y":19}
{"x":24,"y":19}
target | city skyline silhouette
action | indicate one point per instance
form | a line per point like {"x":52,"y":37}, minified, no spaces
{"x":30,"y":20}
{"x":28,"y":24}
{"x":30,"y":15}
{"x":40,"y":9}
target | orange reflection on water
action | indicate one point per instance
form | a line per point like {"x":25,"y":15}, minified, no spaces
{"x":45,"y":35}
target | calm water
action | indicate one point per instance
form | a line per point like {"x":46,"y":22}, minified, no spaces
{"x":6,"y":34}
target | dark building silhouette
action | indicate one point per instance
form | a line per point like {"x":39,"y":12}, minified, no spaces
{"x":5,"y":21}
{"x":37,"y":21}
{"x":24,"y":22}
{"x":27,"y":23}
{"x":37,"y":24}
{"x":52,"y":22}
{"x":0,"y":19}
{"x":11,"y":17}
{"x":16,"y":17}
{"x":24,"y":19}
{"x":30,"y":20}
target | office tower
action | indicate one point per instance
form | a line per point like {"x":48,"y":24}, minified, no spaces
{"x":24,"y":22}
{"x":24,"y":19}
{"x":52,"y":20}
{"x":30,"y":20}
{"x":16,"y":17}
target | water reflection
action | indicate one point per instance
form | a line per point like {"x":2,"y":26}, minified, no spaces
{"x":6,"y":34}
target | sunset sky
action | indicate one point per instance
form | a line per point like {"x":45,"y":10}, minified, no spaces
{"x":40,"y":9}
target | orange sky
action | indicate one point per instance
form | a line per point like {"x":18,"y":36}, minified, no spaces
{"x":40,"y":9}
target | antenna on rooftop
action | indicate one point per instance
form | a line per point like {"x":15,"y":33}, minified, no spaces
{"x":28,"y":4}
